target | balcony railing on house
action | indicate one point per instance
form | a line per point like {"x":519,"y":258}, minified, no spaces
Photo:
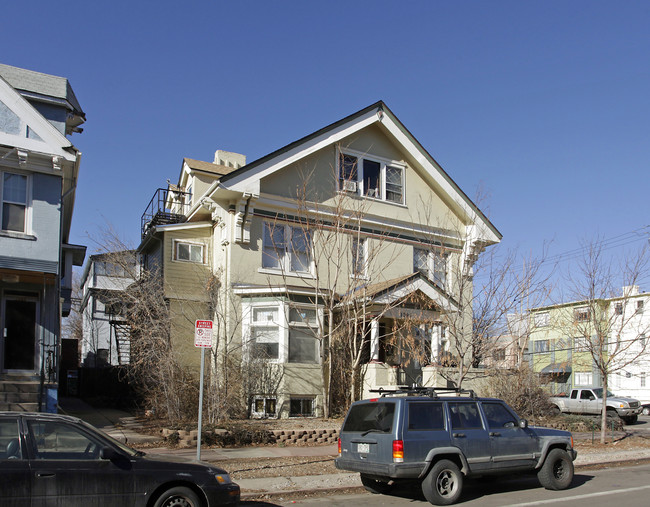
{"x":167,"y":206}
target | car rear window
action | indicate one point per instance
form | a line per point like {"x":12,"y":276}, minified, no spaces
{"x":375,"y":416}
{"x":426,"y":416}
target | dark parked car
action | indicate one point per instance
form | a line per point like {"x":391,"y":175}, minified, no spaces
{"x":415,"y":434}
{"x":50,"y":459}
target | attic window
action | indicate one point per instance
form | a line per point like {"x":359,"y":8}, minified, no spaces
{"x":371,"y":177}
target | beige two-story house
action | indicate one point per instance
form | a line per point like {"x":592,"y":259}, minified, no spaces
{"x":339,"y":258}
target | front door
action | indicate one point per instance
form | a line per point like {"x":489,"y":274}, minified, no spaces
{"x":18,"y":344}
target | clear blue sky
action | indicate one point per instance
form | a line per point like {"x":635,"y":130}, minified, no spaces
{"x":544,"y":105}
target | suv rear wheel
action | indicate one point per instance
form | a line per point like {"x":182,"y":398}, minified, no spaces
{"x":375,"y":486}
{"x":557,"y":471}
{"x":444,"y":483}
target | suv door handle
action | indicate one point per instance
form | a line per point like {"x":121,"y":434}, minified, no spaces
{"x":494,"y":434}
{"x":45,"y":474}
{"x":459,"y":435}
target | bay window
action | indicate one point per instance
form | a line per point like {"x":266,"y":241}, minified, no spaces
{"x":303,"y":328}
{"x":265,"y":333}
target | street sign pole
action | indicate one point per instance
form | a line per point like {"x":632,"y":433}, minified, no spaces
{"x":198,"y":436}
{"x":203,"y":340}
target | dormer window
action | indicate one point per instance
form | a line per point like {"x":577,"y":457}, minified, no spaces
{"x":371,"y":177}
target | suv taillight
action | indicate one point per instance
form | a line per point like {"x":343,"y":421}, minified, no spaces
{"x":398,"y":451}
{"x":339,"y":446}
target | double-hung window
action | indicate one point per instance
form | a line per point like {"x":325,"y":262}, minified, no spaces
{"x":14,"y":202}
{"x":265,"y":333}
{"x":431,"y":264}
{"x":189,"y":252}
{"x":541,"y":346}
{"x":371,"y":177}
{"x":303,"y":328}
{"x":286,"y":248}
{"x":359,"y":256}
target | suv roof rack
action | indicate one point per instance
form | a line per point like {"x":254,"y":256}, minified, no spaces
{"x":432,"y":392}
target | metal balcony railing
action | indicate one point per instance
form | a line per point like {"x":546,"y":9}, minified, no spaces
{"x":166,"y":207}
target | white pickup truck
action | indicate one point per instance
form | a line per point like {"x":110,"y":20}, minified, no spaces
{"x":590,"y":401}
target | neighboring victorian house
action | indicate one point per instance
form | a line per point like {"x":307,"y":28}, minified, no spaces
{"x":105,"y":335}
{"x":38,"y":177}
{"x":563,"y":337}
{"x":353,"y":232}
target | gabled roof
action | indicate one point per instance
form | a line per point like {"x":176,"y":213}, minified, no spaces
{"x":399,"y":288}
{"x":44,"y":85}
{"x":207,"y":167}
{"x":50,"y":140}
{"x":247,"y":178}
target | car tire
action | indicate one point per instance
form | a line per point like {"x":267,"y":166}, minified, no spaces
{"x":555,"y":411}
{"x":374,"y":486}
{"x":179,"y":497}
{"x":646,"y":410}
{"x":557,"y":471}
{"x":630,"y":419}
{"x":443,"y":484}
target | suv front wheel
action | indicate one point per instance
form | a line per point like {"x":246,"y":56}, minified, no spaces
{"x":557,"y":470}
{"x":444,"y":483}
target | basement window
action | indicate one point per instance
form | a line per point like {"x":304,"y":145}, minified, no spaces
{"x":301,"y":407}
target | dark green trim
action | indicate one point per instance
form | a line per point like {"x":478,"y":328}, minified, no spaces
{"x":364,"y":230}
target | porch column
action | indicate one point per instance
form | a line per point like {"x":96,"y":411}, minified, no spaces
{"x":374,"y":340}
{"x":436,"y":342}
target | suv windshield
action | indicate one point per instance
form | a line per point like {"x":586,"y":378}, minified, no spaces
{"x":367,"y":417}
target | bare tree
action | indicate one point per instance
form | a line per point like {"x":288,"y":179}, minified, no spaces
{"x":483,"y":289}
{"x":609,"y":330}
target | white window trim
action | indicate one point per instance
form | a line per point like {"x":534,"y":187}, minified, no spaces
{"x":302,"y":325}
{"x":259,"y":415}
{"x":283,"y":309}
{"x":28,"y":232}
{"x":383,"y":164}
{"x":363,"y":275}
{"x":178,"y":242}
{"x":285,"y":260}
{"x":431,"y":265}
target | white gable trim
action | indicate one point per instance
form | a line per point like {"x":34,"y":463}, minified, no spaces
{"x":53,"y":142}
{"x":249,"y":181}
{"x":439,"y":177}
{"x":419,"y":284}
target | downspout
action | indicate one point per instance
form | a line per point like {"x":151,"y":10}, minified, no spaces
{"x":57,"y":291}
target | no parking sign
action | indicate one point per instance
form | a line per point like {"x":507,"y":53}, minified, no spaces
{"x":203,"y":334}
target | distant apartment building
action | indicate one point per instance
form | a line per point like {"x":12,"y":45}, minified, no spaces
{"x":561,"y":339}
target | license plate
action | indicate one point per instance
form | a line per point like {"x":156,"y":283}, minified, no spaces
{"x":363,"y":448}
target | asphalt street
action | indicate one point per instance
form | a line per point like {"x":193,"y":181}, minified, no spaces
{"x":594,"y":488}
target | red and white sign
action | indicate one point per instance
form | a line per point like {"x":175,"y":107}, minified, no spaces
{"x":203,"y":334}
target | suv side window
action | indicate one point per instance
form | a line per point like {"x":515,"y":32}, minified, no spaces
{"x":10,"y":439}
{"x":498,"y":416}
{"x":465,"y":416}
{"x":426,"y":416}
